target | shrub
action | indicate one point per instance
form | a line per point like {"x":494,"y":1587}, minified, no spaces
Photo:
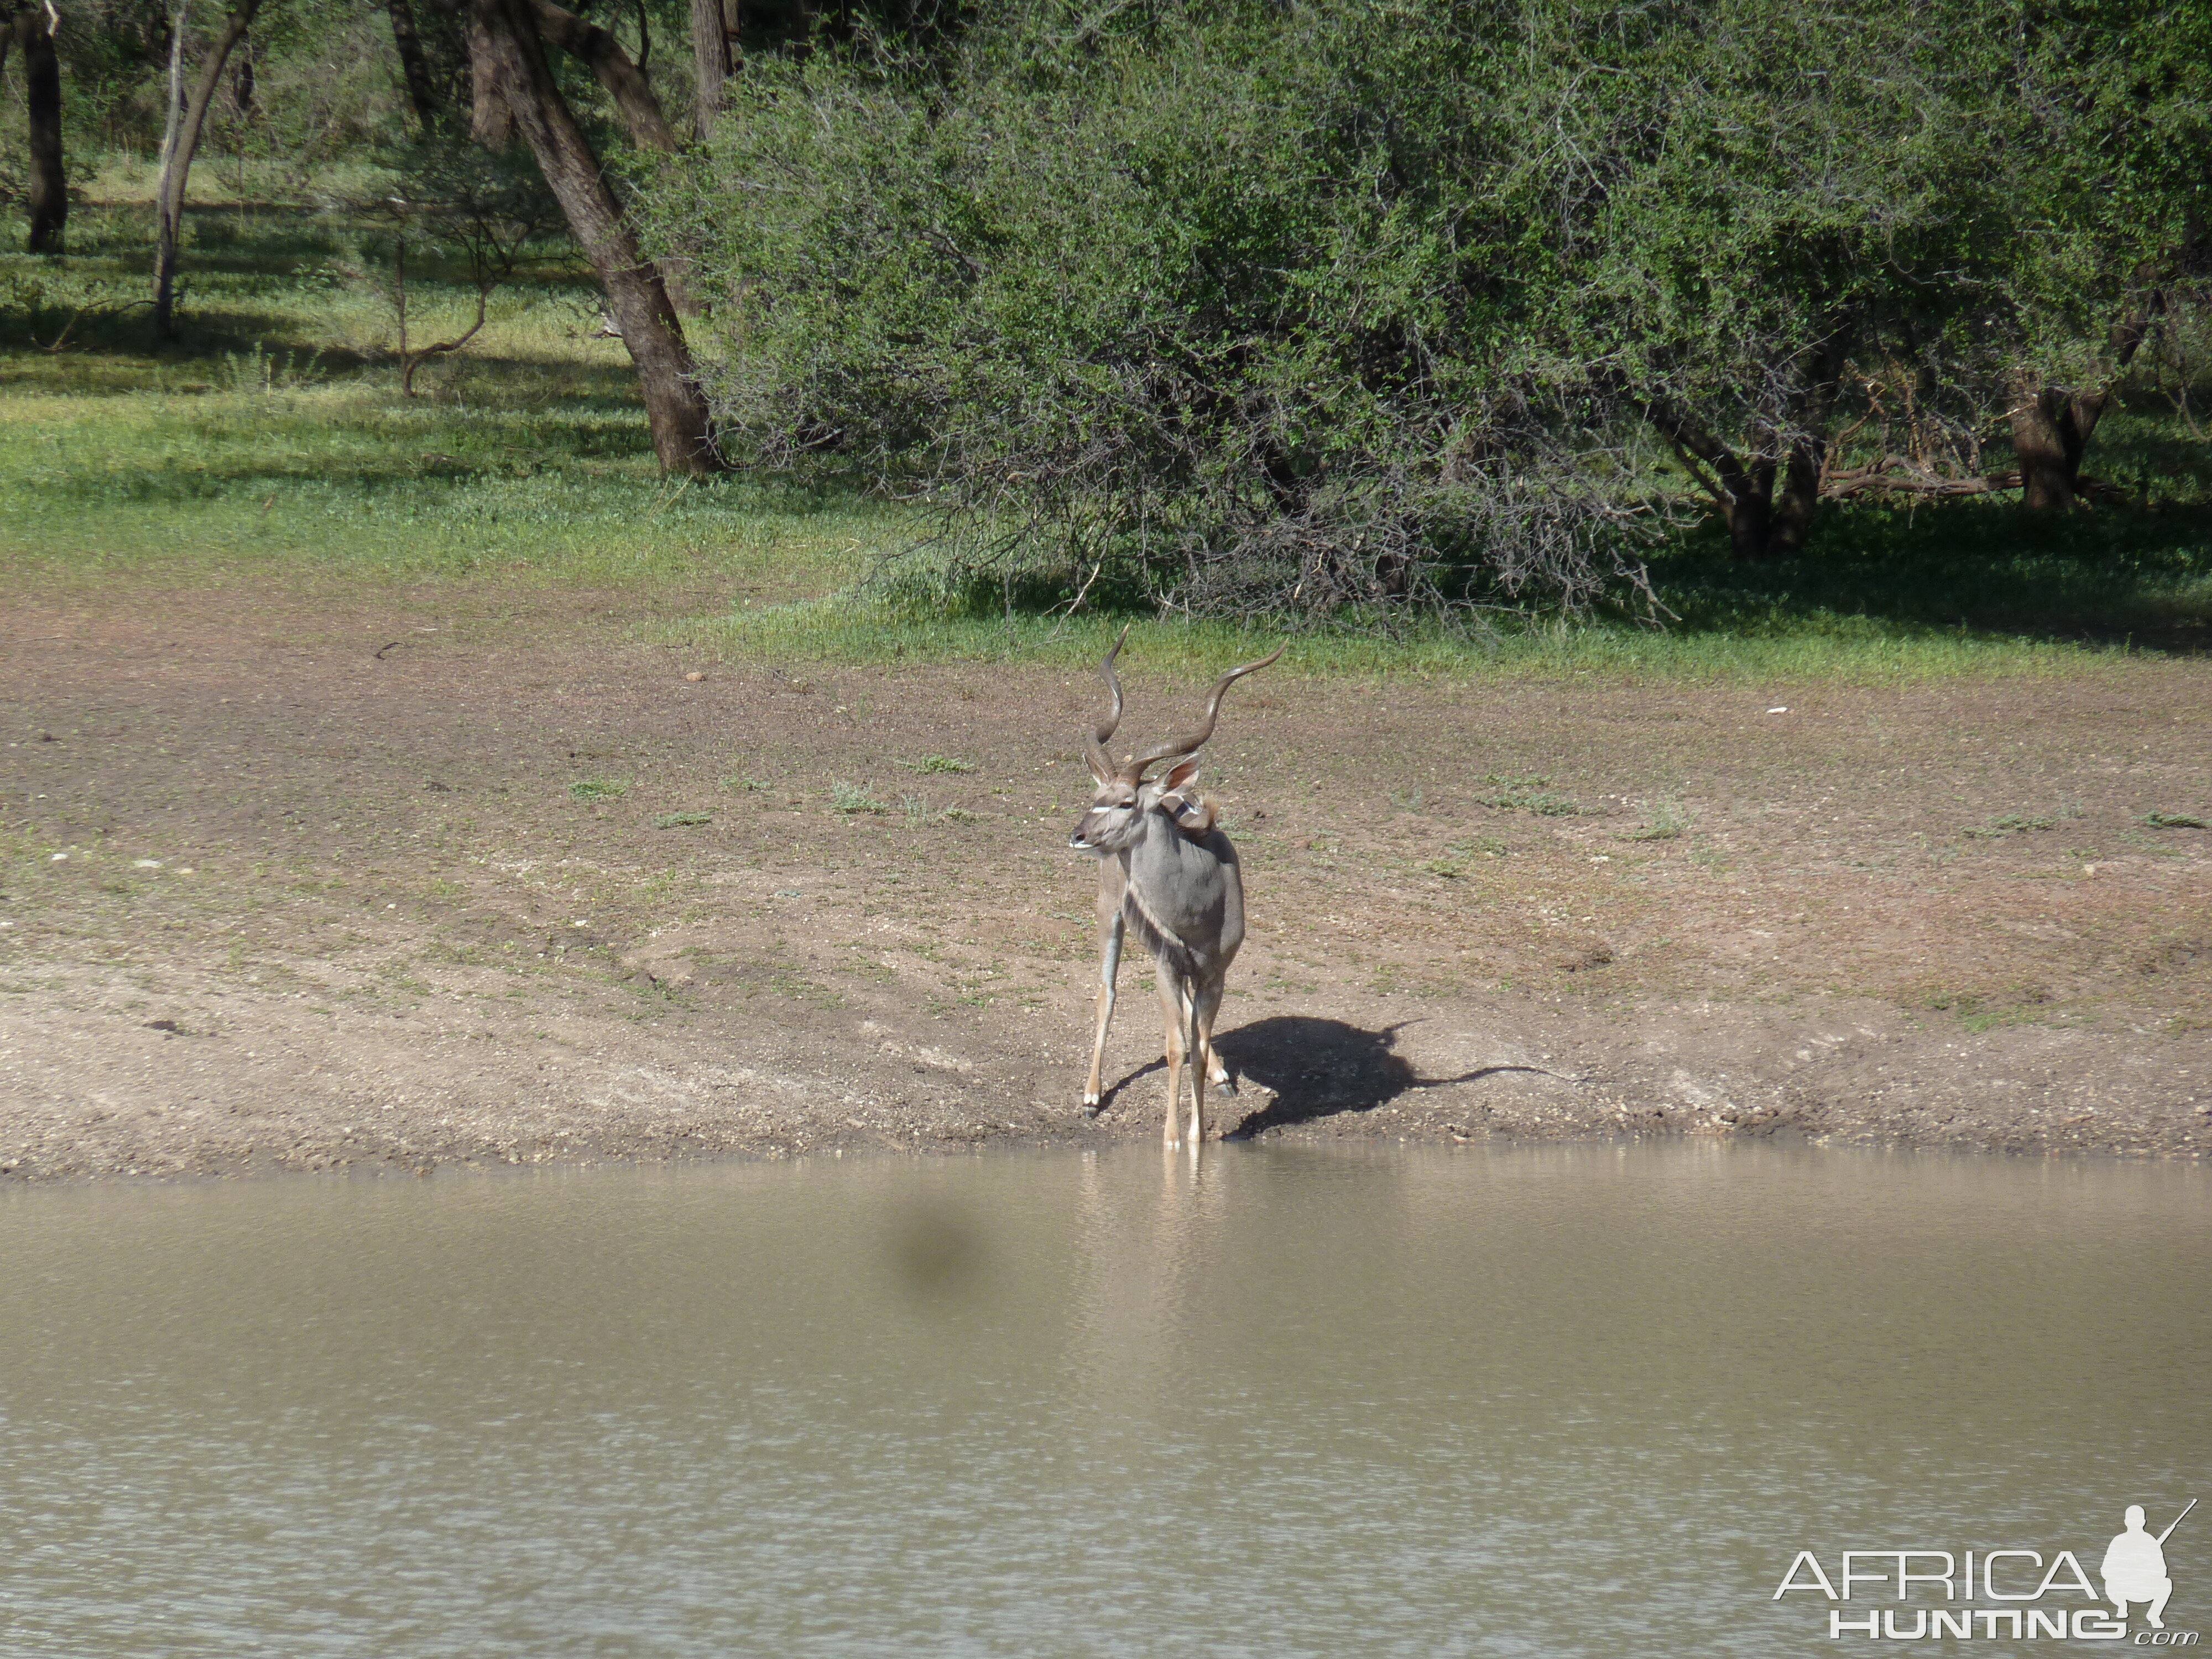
{"x":1203,"y":309}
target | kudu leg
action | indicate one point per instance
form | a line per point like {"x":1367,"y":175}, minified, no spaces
{"x":1196,"y":1046}
{"x":1173,"y":1013}
{"x":1217,"y":1074}
{"x":1204,"y":1006}
{"x":1109,"y":963}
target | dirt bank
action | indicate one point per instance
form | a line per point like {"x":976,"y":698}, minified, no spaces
{"x":314,"y":884}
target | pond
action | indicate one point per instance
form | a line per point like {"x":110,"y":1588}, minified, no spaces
{"x":1583,"y":1400}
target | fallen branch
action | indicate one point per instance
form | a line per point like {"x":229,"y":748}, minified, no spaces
{"x":1894,"y":475}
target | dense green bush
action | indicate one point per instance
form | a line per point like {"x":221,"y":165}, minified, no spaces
{"x":1209,"y":312}
{"x":1336,"y":308}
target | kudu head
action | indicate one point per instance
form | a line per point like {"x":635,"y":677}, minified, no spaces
{"x":1116,"y":820}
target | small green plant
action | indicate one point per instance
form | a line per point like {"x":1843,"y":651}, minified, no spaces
{"x":2011,"y":823}
{"x":936,"y":764}
{"x":1458,"y":855}
{"x":917,"y":808}
{"x":682,"y":820}
{"x":1668,"y":823}
{"x":2174,"y":821}
{"x":598,"y":789}
{"x":853,"y":798}
{"x":264,"y":371}
{"x":745,"y":785}
{"x":1508,"y":792}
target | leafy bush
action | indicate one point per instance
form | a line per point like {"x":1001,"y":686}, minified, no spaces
{"x":1321,"y":309}
{"x":1200,"y":308}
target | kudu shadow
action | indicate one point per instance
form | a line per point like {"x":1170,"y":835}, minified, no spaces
{"x":1319,"y":1068}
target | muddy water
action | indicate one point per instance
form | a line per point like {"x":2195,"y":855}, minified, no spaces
{"x":1588,"y":1400}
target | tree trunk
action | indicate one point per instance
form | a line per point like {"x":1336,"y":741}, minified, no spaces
{"x":42,"y":100}
{"x":634,"y":101}
{"x":515,"y":56}
{"x":413,"y":64}
{"x":2051,"y":427}
{"x":241,"y":86}
{"x":1801,"y":495}
{"x":710,"y":55}
{"x":177,"y":157}
{"x":1751,"y":512}
{"x":633,"y":94}
{"x":1760,"y":524}
{"x":2048,"y":447}
{"x":491,"y":118}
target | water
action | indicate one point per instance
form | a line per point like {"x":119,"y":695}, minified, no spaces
{"x":1557,"y":1401}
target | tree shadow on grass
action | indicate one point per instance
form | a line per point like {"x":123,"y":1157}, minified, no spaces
{"x":1318,"y":1068}
{"x":2116,"y":573}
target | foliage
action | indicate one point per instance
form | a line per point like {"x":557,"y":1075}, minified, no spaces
{"x":1197,"y":310}
{"x":1328,"y":309}
{"x":522,"y":470}
{"x":2109,"y":179}
{"x":454,"y":200}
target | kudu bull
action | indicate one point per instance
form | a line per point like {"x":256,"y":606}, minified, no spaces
{"x":1166,"y":871}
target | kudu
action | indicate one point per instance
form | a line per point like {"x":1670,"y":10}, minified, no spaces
{"x":1166,"y":871}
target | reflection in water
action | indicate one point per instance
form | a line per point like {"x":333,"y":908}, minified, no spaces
{"x":1271,"y":1401}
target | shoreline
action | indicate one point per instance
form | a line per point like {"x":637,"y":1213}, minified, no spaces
{"x":532,"y":891}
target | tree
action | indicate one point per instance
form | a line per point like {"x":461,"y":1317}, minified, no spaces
{"x":2109,"y":108}
{"x":32,"y":28}
{"x":414,"y":62}
{"x":180,"y":141}
{"x":635,"y":100}
{"x":714,"y":24}
{"x":515,"y":92}
{"x":1247,"y":306}
{"x":1215,"y":307}
{"x":1744,"y":205}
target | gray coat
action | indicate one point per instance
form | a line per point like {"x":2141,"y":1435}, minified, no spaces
{"x":1185,"y":894}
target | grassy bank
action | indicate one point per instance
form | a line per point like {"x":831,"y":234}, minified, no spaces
{"x":271,"y":442}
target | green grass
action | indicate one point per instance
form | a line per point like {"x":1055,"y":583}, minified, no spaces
{"x":1668,"y":823}
{"x":2014,"y":823}
{"x":854,"y":798}
{"x":936,"y":764}
{"x":271,"y":440}
{"x":1509,"y":794}
{"x":1859,"y":651}
{"x":270,"y":444}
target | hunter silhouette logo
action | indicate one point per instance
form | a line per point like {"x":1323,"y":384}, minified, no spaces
{"x":2016,"y":1581}
{"x":2135,"y":1567}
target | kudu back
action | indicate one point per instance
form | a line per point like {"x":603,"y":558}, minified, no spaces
{"x":1168,"y":872}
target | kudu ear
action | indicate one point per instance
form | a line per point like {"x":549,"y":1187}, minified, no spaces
{"x":1193,"y":814}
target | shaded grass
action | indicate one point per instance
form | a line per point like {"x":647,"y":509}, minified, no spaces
{"x":841,"y":629}
{"x":1959,"y":589}
{"x":1986,"y":568}
{"x":272,"y":440}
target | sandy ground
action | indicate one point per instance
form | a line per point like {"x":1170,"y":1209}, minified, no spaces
{"x":307,"y":884}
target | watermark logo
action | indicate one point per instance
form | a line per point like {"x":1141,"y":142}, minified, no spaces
{"x":2029,"y":1590}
